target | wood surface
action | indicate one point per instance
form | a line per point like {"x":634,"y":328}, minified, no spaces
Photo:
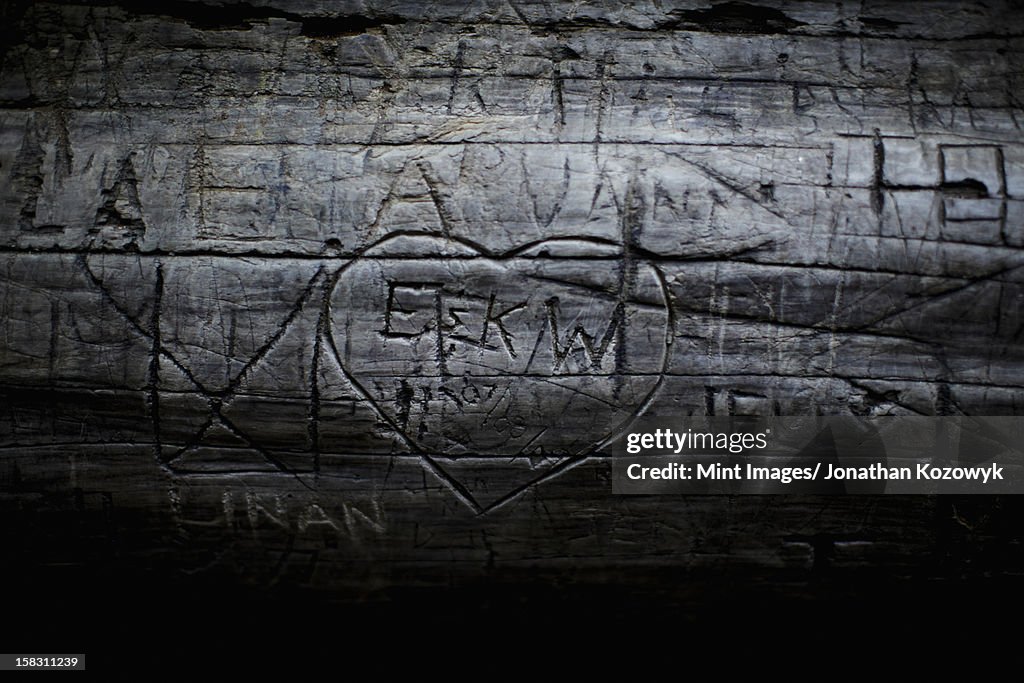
{"x":351,"y":297}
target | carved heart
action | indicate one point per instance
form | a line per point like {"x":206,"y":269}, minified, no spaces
{"x":539,"y":352}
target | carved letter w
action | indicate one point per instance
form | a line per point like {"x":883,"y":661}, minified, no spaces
{"x":595,"y":350}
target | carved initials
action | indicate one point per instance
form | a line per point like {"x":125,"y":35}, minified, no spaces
{"x":594,"y":352}
{"x":413,"y":309}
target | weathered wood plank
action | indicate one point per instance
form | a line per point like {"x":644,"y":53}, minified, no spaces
{"x":352,"y":298}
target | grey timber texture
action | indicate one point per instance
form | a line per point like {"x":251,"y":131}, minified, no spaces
{"x":350,"y":298}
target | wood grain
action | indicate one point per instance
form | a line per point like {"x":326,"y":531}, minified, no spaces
{"x":296,"y":294}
